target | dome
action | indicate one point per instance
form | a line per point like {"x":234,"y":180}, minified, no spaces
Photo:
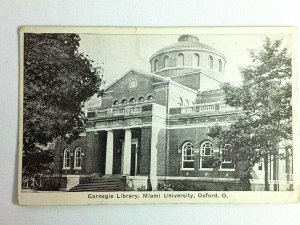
{"x":187,"y":42}
{"x":187,"y":56}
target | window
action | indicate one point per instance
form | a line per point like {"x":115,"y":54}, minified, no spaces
{"x":260,"y":166}
{"x":132,"y":100}
{"x":150,"y":98}
{"x":124,"y":101}
{"x":206,"y":155}
{"x":210,"y":62}
{"x":180,"y":101}
{"x":196,"y":60}
{"x":116,"y":102}
{"x":180,"y":60}
{"x":141,"y":99}
{"x":188,"y":156}
{"x":166,"y":61}
{"x":220,"y":66}
{"x":155,"y":65}
{"x":77,"y":158}
{"x":226,"y":157}
{"x":67,"y":159}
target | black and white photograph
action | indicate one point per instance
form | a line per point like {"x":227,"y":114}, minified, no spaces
{"x":163,"y":115}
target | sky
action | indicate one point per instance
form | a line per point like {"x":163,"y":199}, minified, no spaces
{"x":119,"y":53}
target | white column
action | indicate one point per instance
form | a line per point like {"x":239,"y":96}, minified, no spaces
{"x":158,"y":123}
{"x":127,"y":153}
{"x":109,"y":153}
{"x":271,"y":175}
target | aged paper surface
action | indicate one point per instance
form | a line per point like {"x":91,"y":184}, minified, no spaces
{"x":171,"y":115}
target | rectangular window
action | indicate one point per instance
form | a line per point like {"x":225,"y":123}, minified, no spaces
{"x":188,"y":164}
{"x":207,"y":162}
{"x":227,"y":165}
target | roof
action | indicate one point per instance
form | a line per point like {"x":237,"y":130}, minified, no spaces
{"x":187,"y":42}
{"x":142,"y":73}
{"x":152,"y":75}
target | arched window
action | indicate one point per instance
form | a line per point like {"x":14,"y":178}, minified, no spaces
{"x":155,"y":65}
{"x":150,"y":98}
{"x":132,"y":100}
{"x":67,"y":159}
{"x":187,"y":102}
{"x":180,"y":101}
{"x":226,"y":157}
{"x":141,"y":99}
{"x":180,"y":60}
{"x":116,"y":102}
{"x":188,"y":156}
{"x":166,"y":61}
{"x":77,"y":158}
{"x":124,"y":101}
{"x":206,"y":155}
{"x":210,"y":62}
{"x":196,"y":60}
{"x":220,"y":66}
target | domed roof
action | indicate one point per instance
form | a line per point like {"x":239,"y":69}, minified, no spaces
{"x":188,"y":41}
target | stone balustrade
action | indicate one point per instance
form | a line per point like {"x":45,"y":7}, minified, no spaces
{"x":119,"y":111}
{"x":204,"y":107}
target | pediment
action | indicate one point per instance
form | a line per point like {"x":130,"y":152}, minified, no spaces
{"x":134,"y":79}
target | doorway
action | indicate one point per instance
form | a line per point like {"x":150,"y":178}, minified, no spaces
{"x":134,"y":157}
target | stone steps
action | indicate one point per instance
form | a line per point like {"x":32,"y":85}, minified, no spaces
{"x":97,"y":184}
{"x":98,"y":180}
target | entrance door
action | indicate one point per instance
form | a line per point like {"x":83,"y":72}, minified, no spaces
{"x":134,"y":157}
{"x":133,"y":163}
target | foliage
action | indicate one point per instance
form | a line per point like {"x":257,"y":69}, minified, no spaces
{"x":265,"y":96}
{"x":58,"y":80}
{"x":38,"y":160}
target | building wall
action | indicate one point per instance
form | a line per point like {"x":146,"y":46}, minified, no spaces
{"x":92,"y":162}
{"x":161,"y":152}
{"x":60,"y":147}
{"x":145,"y":150}
{"x":196,"y":135}
{"x":212,"y":96}
{"x":160,"y":94}
{"x":189,"y":80}
{"x":176,"y":93}
{"x":209,"y":81}
{"x":173,"y":72}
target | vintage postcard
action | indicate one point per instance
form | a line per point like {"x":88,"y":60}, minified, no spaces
{"x":112,"y":115}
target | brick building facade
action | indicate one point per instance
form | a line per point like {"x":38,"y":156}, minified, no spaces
{"x":151,"y":127}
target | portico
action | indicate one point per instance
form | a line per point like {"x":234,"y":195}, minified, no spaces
{"x":123,"y":152}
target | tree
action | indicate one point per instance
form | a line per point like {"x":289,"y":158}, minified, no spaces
{"x":265,"y":96}
{"x":58,"y":80}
